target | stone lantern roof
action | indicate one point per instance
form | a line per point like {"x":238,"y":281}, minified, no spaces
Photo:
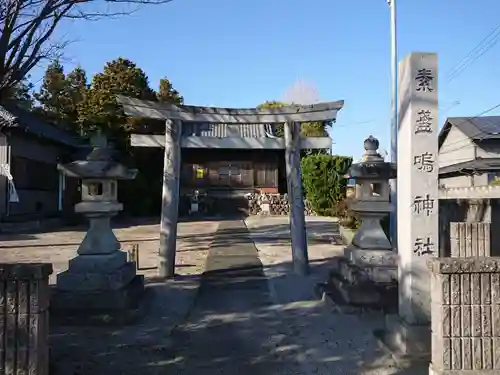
{"x":372,"y":165}
{"x":99,"y":164}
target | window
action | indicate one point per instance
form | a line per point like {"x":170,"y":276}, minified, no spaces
{"x":231,"y":170}
{"x":229,"y":174}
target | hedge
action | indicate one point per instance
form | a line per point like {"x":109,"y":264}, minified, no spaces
{"x":323,"y":178}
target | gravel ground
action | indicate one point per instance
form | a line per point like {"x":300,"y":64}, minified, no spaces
{"x":59,"y":247}
{"x":256,"y":318}
{"x":332,"y":343}
{"x":109,"y":350}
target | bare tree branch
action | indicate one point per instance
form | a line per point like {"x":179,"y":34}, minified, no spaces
{"x":26,"y":28}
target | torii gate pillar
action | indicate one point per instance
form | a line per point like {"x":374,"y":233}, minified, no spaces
{"x":298,"y":230}
{"x":170,"y":199}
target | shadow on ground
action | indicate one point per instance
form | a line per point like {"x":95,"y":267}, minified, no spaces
{"x":243,"y":322}
{"x":319,"y":232}
{"x":272,"y":235}
{"x":117,"y":223}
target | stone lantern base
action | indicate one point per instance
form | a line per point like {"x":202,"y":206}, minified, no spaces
{"x":100,"y":283}
{"x":367,"y":278}
{"x":367,"y":273}
{"x":91,"y":289}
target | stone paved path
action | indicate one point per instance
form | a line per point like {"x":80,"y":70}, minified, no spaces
{"x":232,"y":328}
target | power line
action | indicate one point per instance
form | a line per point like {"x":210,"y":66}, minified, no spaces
{"x":488,"y":42}
{"x":462,"y":63}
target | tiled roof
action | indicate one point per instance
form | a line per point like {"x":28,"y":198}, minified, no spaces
{"x":477,"y":127}
{"x":15,"y":117}
{"x":226,"y":130}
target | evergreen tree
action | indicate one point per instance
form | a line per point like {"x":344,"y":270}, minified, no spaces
{"x":76,"y":89}
{"x":100,"y":110}
{"x":52,"y":94}
{"x":168,"y":94}
{"x":60,"y":95}
{"x":21,"y":94}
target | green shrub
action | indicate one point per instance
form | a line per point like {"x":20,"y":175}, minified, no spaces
{"x":346,"y":217}
{"x":324,"y":182}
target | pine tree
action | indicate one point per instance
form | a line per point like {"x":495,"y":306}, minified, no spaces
{"x":100,"y":110}
{"x":167,"y":94}
{"x":21,"y":94}
{"x":76,"y":89}
{"x":52,"y":94}
{"x":54,"y":83}
{"x":60,"y":95}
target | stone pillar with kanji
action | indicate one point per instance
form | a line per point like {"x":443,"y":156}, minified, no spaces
{"x":417,"y":211}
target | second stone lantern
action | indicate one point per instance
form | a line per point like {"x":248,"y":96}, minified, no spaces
{"x":368,"y":268}
{"x":99,"y":278}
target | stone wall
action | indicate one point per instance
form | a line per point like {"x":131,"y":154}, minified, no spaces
{"x":463,"y":210}
{"x":465,"y":306}
{"x":278,"y":204}
{"x":470,"y":239}
{"x":24,"y":319}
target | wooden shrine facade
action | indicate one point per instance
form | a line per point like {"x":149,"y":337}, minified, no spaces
{"x":227,"y":161}
{"x":230,"y":150}
{"x":226,"y":173}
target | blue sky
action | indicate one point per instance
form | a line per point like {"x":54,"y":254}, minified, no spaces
{"x":236,"y":53}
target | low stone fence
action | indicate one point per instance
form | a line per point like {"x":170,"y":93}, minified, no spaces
{"x":470,"y":239}
{"x":24,"y":319}
{"x":278,"y":204}
{"x":465,"y":307}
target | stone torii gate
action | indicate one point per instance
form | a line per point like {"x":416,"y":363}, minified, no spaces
{"x":175,"y":115}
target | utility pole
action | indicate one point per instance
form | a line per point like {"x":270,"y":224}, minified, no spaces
{"x":394,"y":119}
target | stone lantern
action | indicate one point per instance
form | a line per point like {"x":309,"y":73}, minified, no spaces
{"x":372,"y":196}
{"x":369,"y":266}
{"x":99,"y":278}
